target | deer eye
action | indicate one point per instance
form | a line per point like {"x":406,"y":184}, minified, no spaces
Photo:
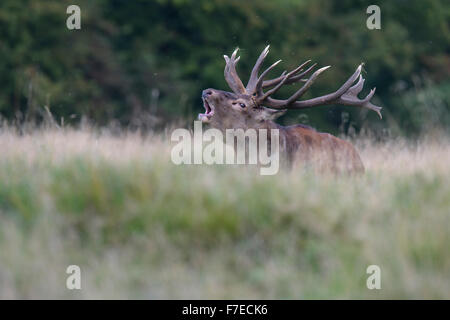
{"x":242,"y":105}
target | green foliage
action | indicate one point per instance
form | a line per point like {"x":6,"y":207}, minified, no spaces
{"x":146,"y":62}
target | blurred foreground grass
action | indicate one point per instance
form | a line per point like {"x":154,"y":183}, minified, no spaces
{"x":141,"y":227}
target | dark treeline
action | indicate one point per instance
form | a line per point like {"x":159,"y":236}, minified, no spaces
{"x":144,"y":63}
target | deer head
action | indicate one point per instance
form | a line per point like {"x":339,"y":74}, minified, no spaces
{"x":252,"y":107}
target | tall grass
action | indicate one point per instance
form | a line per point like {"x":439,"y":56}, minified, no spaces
{"x":142,"y":227}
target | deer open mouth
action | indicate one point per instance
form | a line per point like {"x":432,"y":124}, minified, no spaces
{"x":204,"y":117}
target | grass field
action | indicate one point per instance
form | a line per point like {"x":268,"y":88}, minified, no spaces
{"x":140,"y":227}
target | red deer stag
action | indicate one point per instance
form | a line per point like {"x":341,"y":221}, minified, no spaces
{"x":251,"y":107}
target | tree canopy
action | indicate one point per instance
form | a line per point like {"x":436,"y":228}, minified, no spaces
{"x":144,"y":63}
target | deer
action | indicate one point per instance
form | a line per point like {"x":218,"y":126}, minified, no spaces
{"x":254,"y":106}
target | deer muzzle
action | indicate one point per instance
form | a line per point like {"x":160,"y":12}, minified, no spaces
{"x":209,"y":110}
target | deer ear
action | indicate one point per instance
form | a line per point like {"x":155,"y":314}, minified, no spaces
{"x":271,"y":114}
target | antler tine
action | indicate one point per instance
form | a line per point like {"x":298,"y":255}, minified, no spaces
{"x":352,"y":99}
{"x":349,"y":82}
{"x":346,"y":94}
{"x":277,"y":87}
{"x":284,"y":78}
{"x":351,"y":96}
{"x":299,"y":77}
{"x":251,"y":85}
{"x":231,"y":75}
{"x":259,"y":83}
{"x":294,"y":78}
{"x":306,"y":86}
{"x":357,"y":87}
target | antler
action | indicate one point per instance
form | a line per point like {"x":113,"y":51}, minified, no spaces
{"x":293,"y":78}
{"x":346,"y":95}
{"x":235,"y":82}
{"x":251,"y":85}
{"x":231,"y":75}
